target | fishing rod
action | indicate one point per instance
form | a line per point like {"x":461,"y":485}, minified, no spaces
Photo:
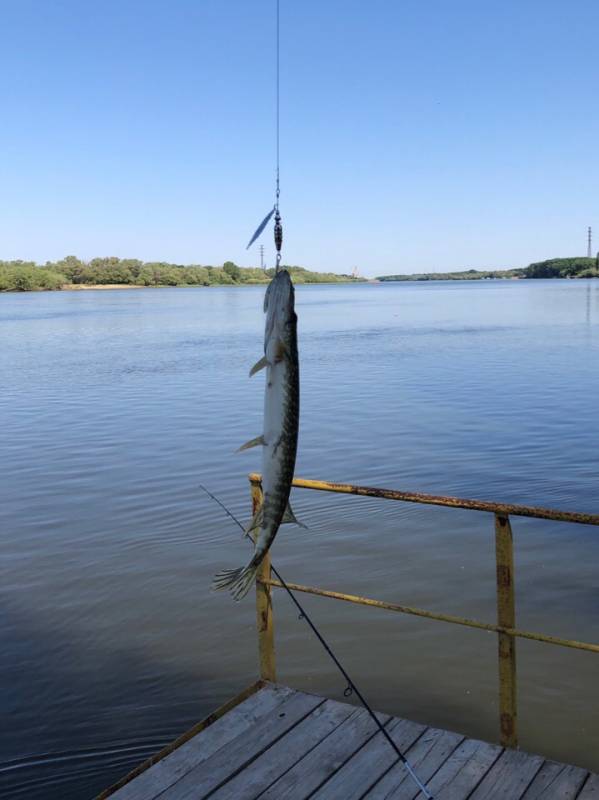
{"x":351,"y":686}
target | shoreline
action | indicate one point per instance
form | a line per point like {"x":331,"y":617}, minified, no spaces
{"x":88,"y":287}
{"x":84,"y":287}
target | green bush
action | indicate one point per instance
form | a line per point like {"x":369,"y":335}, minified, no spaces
{"x":232,"y":270}
{"x":21,"y":276}
{"x":559,"y":267}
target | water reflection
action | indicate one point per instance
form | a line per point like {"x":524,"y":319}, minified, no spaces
{"x":115,"y":405}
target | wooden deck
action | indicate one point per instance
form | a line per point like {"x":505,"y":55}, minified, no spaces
{"x":276,"y":743}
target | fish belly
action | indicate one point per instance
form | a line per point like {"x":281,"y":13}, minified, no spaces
{"x":274,"y":417}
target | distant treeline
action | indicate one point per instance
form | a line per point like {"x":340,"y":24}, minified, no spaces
{"x":27,"y":276}
{"x":578,"y":267}
{"x":564,"y":268}
{"x":464,"y":275}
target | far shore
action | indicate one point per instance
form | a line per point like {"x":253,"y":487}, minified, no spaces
{"x":77,"y":287}
{"x":80,"y":287}
{"x":88,"y":287}
{"x":74,"y":275}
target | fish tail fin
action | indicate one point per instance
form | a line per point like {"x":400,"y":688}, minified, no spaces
{"x":237,"y":581}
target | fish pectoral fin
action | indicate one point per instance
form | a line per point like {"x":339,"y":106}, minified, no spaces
{"x":255,"y":523}
{"x":252,"y":443}
{"x":259,"y":365}
{"x":289,"y":517}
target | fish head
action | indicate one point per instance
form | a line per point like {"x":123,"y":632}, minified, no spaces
{"x":279,"y":306}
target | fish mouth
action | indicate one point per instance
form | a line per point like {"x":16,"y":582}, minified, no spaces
{"x":279,"y":301}
{"x":279,"y":292}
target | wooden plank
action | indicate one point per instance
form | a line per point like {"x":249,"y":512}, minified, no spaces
{"x":509,"y":777}
{"x":279,"y":744}
{"x":181,"y":740}
{"x":463,"y":770}
{"x":426,"y":757}
{"x":358,"y":774}
{"x":169,"y":769}
{"x":241,"y":751}
{"x":556,"y":782}
{"x":590,"y":790}
{"x":325,"y":759}
{"x":285,"y":753}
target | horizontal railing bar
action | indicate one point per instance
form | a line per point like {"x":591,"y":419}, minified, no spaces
{"x":440,"y":500}
{"x":420,"y":612}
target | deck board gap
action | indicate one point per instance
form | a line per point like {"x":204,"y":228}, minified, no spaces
{"x":268,"y":746}
{"x":392,"y":766}
{"x":350,"y":756}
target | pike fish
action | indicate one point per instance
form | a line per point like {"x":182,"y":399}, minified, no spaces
{"x":279,"y":437}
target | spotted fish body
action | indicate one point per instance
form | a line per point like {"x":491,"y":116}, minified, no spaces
{"x":281,"y":423}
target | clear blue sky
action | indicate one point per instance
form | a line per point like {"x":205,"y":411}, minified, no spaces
{"x":415,"y":135}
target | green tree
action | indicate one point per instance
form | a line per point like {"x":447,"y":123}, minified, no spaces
{"x":70,"y":266}
{"x":110,"y":270}
{"x":133,"y":265}
{"x":232,"y":270}
{"x":559,"y":267}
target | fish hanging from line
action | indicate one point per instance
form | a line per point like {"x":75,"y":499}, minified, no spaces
{"x":279,"y":436}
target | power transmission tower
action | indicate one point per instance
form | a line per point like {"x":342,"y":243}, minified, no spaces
{"x":590,"y":243}
{"x":262,"y":256}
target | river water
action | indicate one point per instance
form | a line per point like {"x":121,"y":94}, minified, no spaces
{"x":114,"y":405}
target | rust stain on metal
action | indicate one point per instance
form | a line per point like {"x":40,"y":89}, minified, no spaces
{"x":504,"y":576}
{"x":507,"y":726}
{"x":450,"y":618}
{"x":505,"y":509}
{"x":506,"y":630}
{"x":264,"y":613}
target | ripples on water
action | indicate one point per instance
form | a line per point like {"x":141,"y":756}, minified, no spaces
{"x":116,"y":404}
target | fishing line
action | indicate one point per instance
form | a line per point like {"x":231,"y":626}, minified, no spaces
{"x":278,"y":226}
{"x":278,"y":230}
{"x":278,"y":101}
{"x":351,"y":686}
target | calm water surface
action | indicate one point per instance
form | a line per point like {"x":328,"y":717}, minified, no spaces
{"x":114,"y":405}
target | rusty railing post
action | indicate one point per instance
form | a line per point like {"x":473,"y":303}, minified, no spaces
{"x":506,"y":618}
{"x":264,"y":618}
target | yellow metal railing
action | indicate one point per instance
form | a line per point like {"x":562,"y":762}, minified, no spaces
{"x":506,"y":630}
